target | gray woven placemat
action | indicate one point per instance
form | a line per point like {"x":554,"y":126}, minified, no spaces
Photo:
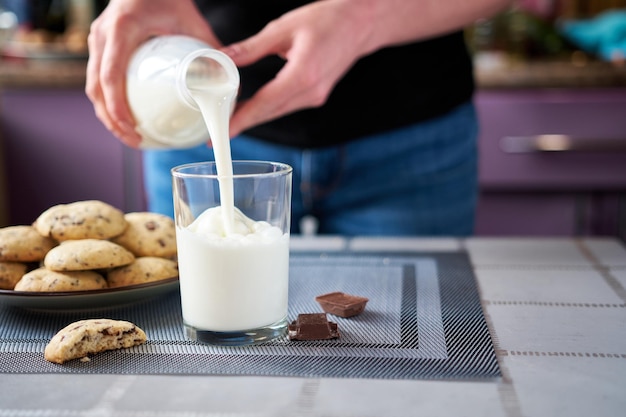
{"x":423,"y":320}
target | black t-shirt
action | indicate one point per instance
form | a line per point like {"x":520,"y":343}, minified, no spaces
{"x":391,"y":88}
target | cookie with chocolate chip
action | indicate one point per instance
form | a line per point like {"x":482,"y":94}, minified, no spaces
{"x":88,"y":337}
{"x":89,"y":219}
{"x":23,"y":244}
{"x":149,"y":234}
{"x":45,"y":280}
{"x":142,"y":270}
{"x":86,"y":254}
{"x":11,"y":273}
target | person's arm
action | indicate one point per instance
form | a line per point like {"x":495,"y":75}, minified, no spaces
{"x":393,"y":22}
{"x":322,"y":40}
{"x":115,"y":35}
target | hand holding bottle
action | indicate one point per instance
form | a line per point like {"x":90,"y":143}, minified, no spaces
{"x":115,"y":35}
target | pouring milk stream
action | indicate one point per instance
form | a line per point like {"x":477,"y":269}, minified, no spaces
{"x":215,"y":100}
{"x":181,"y":92}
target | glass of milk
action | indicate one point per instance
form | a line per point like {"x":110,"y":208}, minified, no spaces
{"x":233,"y":250}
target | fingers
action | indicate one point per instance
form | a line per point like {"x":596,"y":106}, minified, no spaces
{"x":273,"y":99}
{"x":269,"y":41}
{"x":92,"y":84}
{"x":316,"y":58}
{"x":302,"y":82}
{"x":112,"y":76}
{"x":95,"y":93}
{"x":105,"y":78}
{"x":293,"y":89}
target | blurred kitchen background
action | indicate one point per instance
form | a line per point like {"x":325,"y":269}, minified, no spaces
{"x":551,"y":78}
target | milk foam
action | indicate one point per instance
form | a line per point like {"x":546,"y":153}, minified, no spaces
{"x":210,"y":225}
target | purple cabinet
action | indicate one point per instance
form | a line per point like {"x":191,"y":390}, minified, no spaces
{"x":56,"y":151}
{"x":553,"y":162}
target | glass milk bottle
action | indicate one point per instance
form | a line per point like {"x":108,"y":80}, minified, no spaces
{"x":159,"y":77}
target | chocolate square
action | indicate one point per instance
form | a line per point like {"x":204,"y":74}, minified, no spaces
{"x":342,"y":304}
{"x":312,"y":326}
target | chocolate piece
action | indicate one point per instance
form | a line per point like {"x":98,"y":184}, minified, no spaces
{"x":312,"y":326}
{"x":341,"y":304}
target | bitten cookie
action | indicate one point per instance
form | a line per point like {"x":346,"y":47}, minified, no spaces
{"x":142,"y":270}
{"x":44,"y":280}
{"x":149,"y":234}
{"x":88,"y":337}
{"x":11,"y":273}
{"x":23,"y":244}
{"x":90,"y":219}
{"x":85,"y":254}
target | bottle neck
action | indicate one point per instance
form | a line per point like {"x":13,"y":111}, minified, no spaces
{"x":204,"y":66}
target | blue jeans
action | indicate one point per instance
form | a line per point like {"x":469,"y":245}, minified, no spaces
{"x":419,"y":180}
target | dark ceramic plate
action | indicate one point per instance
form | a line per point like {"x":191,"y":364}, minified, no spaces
{"x":83,"y":300}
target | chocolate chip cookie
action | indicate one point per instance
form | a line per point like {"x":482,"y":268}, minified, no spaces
{"x":89,"y":219}
{"x":149,"y":234}
{"x":86,"y":254}
{"x":88,"y":337}
{"x":45,"y":280}
{"x":142,"y":270}
{"x":11,"y":273}
{"x":23,"y":244}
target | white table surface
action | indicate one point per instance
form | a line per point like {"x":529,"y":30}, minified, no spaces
{"x":556,"y":309}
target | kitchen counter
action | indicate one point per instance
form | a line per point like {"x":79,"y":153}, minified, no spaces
{"x":550,"y":74}
{"x":556,"y":312}
{"x":42,"y":73}
{"x":39,"y":73}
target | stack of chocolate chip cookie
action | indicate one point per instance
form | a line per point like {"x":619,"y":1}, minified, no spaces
{"x":87,"y":245}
